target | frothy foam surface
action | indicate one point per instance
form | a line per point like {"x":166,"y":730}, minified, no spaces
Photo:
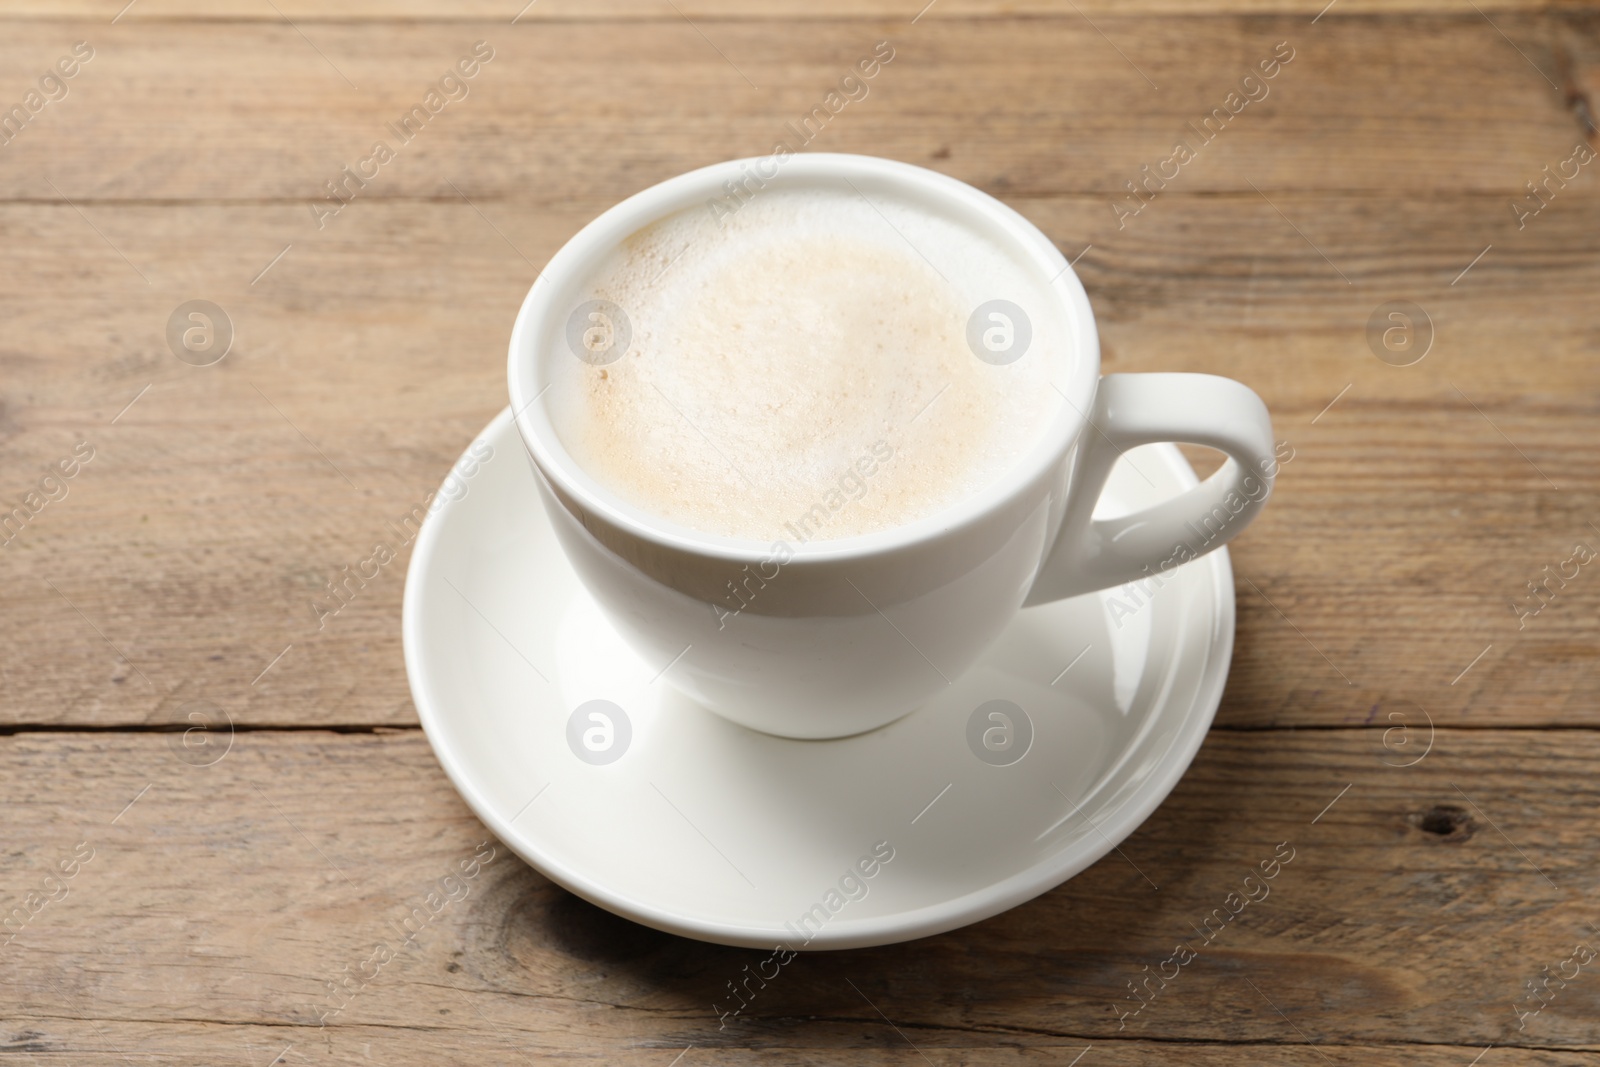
{"x":800,"y":370}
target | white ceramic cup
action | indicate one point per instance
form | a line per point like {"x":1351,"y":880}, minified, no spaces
{"x":845,"y":635}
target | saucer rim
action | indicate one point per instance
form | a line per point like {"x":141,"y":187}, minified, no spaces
{"x":846,"y":933}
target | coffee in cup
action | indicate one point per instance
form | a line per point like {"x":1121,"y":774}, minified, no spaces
{"x":801,"y":369}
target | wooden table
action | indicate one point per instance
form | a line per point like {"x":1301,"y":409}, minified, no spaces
{"x":1426,"y":746}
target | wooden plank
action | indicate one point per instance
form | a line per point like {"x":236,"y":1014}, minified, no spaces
{"x":98,"y":1045}
{"x":1441,"y":861}
{"x":222,"y":111}
{"x":216,"y":506}
{"x":1421,"y":500}
{"x":1413,"y":908}
{"x":503,"y":11}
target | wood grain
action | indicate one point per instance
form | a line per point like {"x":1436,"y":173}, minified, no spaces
{"x":1375,"y":594}
{"x":217,"y":506}
{"x":1403,"y":918}
{"x":504,"y":11}
{"x":220,"y":111}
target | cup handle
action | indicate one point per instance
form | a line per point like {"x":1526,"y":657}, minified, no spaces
{"x":1141,"y":409}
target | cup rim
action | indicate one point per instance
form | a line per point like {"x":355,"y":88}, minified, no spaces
{"x":650,"y":205}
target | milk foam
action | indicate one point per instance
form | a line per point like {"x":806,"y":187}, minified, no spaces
{"x":800,"y":370}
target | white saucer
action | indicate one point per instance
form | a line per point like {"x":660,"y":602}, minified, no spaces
{"x":708,"y":830}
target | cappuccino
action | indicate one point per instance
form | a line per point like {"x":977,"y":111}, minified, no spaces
{"x":817,"y":365}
